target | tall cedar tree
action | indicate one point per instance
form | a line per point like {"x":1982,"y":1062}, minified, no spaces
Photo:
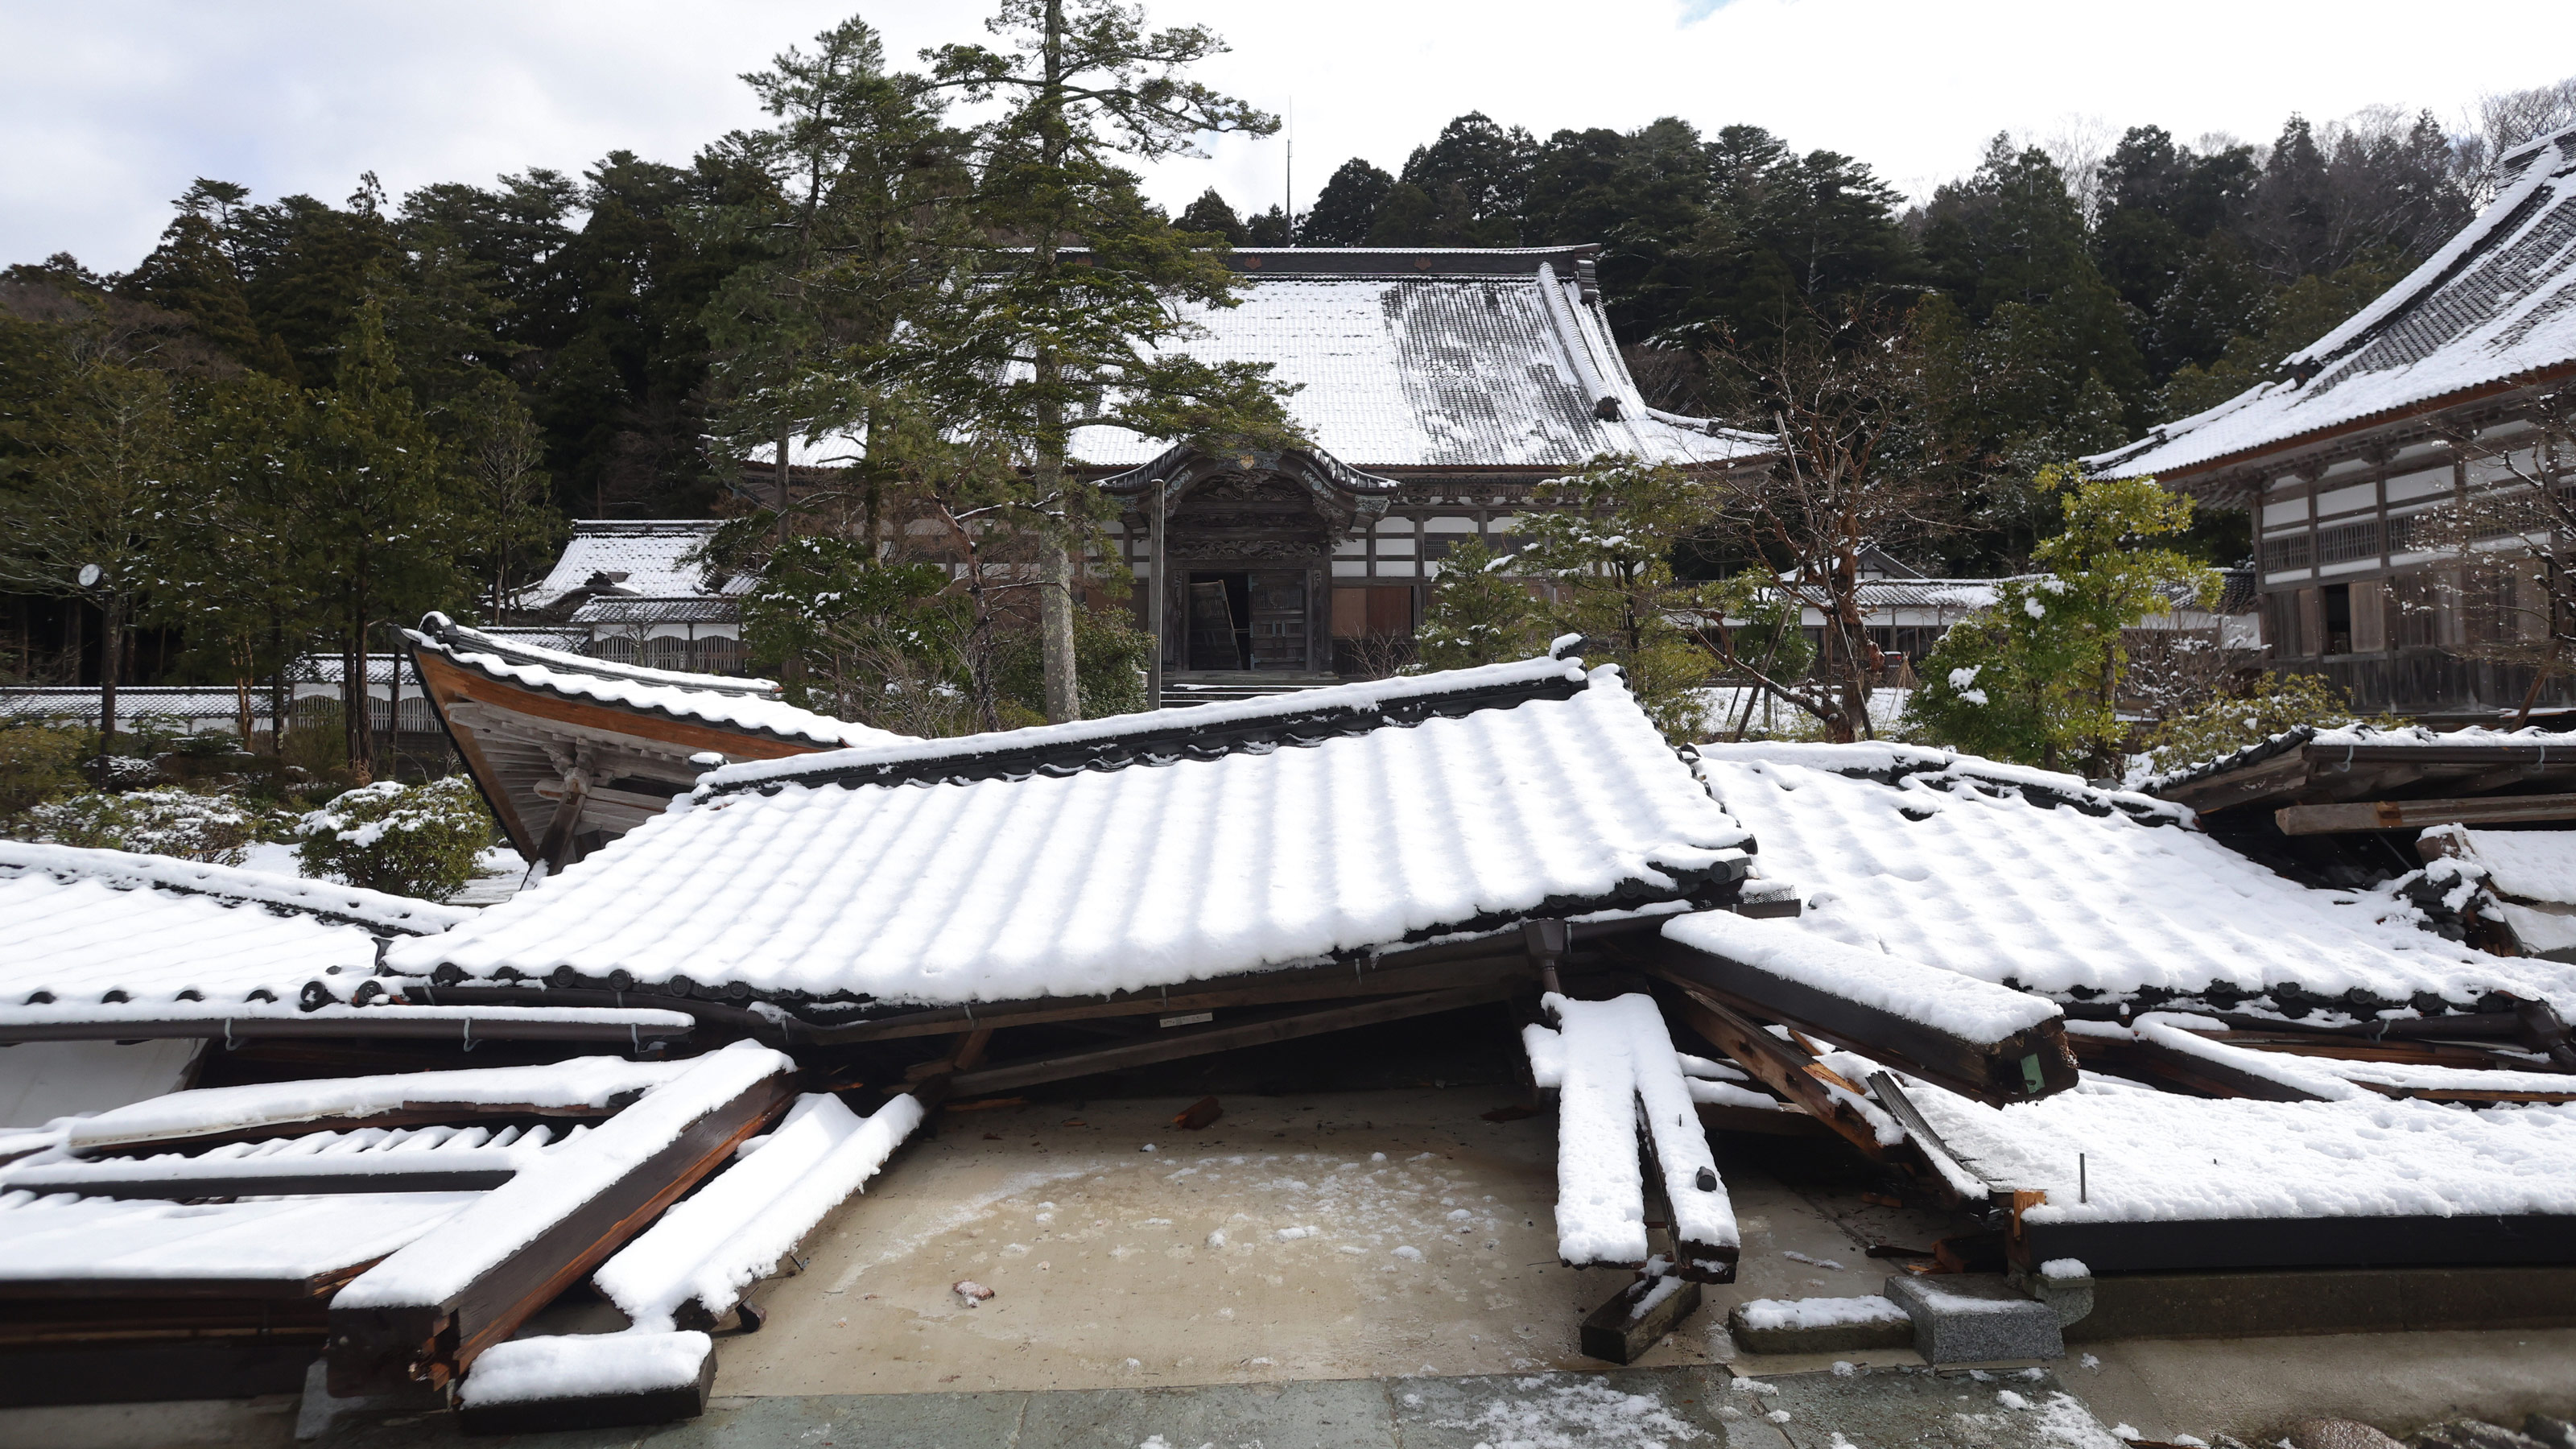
{"x":380,"y":528}
{"x":862,"y":175}
{"x":89,"y":446}
{"x":1026,"y":345}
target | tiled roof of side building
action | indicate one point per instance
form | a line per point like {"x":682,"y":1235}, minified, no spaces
{"x":2496,"y":306}
{"x":651,"y":557}
{"x":1141,"y":851}
{"x":2034,"y":878}
{"x":729,"y":700}
{"x":1430,"y":359}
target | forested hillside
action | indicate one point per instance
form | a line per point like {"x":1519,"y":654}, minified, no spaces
{"x":567,"y":346}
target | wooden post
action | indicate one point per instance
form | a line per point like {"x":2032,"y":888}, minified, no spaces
{"x":1547,"y":943}
{"x":1159,"y":492}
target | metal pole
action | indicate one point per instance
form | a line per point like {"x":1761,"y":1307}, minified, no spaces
{"x":1154,"y":600}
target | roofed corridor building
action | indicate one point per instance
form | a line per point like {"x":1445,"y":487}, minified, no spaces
{"x":2426,"y":396}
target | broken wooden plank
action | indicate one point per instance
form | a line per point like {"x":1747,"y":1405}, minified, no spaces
{"x":582,"y":1087}
{"x":1974,"y":1037}
{"x":120,"y":1021}
{"x":1638,"y":1317}
{"x":468,"y":1170}
{"x":425,"y":1313}
{"x":2166,"y":1055}
{"x":2474,"y":1096}
{"x":2417,"y":814}
{"x":1199,"y":1041}
{"x":1776,"y":1064}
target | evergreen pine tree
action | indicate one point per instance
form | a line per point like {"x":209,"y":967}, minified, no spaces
{"x":1346,"y":208}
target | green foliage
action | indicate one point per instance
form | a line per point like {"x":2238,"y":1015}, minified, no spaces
{"x":40,"y":762}
{"x":1110,"y":657}
{"x":884,"y":644}
{"x":2228,"y":724}
{"x":1480,"y":613}
{"x":218,"y":829}
{"x":409,"y":840}
{"x":2035,"y":678}
{"x":1603,"y":538}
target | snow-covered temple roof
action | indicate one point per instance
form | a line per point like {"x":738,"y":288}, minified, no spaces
{"x":2495,"y":308}
{"x":1136,"y":851}
{"x":2309,"y":763}
{"x":729,"y":701}
{"x":2035,"y":879}
{"x":82,"y":928}
{"x":1438,"y":359}
{"x":651,"y":558}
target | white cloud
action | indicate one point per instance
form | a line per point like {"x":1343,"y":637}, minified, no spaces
{"x":112,"y":108}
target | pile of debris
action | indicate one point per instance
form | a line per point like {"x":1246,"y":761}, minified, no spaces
{"x":2038,"y":1003}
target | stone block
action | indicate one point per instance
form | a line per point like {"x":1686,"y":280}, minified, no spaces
{"x":1975,"y":1318}
{"x":1810,"y":1325}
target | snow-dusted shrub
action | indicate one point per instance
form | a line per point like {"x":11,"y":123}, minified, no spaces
{"x":2225,"y":725}
{"x":217,"y":829}
{"x":39,"y":761}
{"x":411,"y":841}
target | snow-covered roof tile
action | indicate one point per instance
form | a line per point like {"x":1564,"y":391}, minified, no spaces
{"x":1144,"y":850}
{"x":2495,"y":305}
{"x":2017,"y":875}
{"x":79,"y":926}
{"x":1428,"y":359}
{"x":739,"y":703}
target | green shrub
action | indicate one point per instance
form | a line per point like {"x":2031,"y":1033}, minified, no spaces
{"x":39,"y":762}
{"x":217,"y":829}
{"x":412,"y":841}
{"x":2230,"y":723}
{"x":1109,"y":658}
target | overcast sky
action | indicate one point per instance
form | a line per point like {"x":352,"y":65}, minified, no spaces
{"x":111,"y":107}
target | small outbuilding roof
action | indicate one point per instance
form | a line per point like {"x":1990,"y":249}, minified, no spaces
{"x":654,"y":558}
{"x":1137,"y":851}
{"x":2495,"y":307}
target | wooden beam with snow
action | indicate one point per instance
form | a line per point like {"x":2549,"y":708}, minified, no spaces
{"x":120,"y":1021}
{"x":427,"y":1312}
{"x":1982,"y":1040}
{"x":2417,"y":814}
{"x":1199,"y":1041}
{"x":465,"y":1171}
{"x":1627,"y":1136}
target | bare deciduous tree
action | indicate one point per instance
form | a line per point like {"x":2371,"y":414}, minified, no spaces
{"x":1855,"y":472}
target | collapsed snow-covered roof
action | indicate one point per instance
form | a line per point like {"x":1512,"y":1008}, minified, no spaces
{"x":2311,"y":765}
{"x":2495,"y":308}
{"x":2032,"y":878}
{"x":1433,"y":358}
{"x":85,"y":928}
{"x":1136,"y":851}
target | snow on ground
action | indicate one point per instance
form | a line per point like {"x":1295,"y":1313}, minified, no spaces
{"x":1580,"y":1413}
